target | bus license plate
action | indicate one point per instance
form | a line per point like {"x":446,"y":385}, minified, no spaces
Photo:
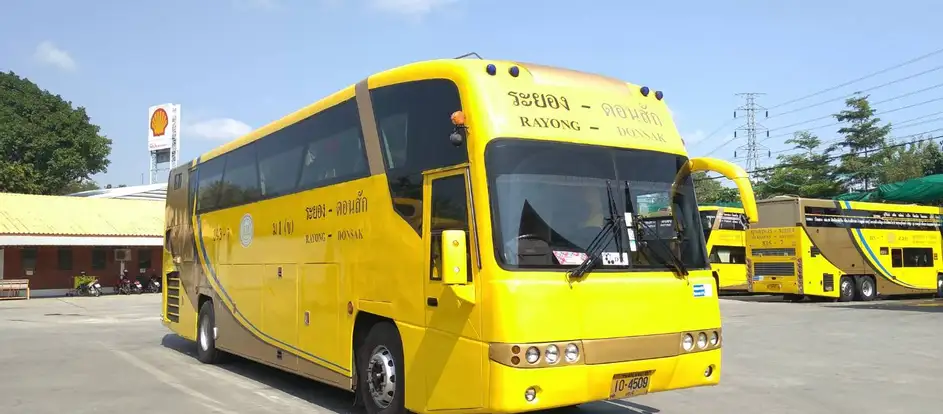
{"x":630,"y":385}
{"x":774,"y":286}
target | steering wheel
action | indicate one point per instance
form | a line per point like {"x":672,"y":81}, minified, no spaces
{"x":510,"y":244}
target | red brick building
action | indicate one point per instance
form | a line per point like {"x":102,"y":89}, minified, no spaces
{"x":50,"y":239}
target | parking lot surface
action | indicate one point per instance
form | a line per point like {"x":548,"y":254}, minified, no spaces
{"x":111,"y":355}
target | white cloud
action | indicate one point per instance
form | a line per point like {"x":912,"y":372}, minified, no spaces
{"x":412,"y":8}
{"x":218,"y":129}
{"x":47,"y":53}
{"x":695,"y":137}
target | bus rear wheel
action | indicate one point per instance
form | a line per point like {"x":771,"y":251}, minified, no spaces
{"x":939,"y":286}
{"x":380,"y":372}
{"x":206,"y":350}
{"x":865,"y":288}
{"x":846,"y":289}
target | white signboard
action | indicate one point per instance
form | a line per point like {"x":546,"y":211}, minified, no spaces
{"x":163,"y":126}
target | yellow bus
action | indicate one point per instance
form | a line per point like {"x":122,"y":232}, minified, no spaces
{"x":453,"y":235}
{"x":844,"y":250}
{"x":725,"y":232}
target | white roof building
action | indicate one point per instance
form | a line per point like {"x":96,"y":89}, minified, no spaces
{"x":139,"y":192}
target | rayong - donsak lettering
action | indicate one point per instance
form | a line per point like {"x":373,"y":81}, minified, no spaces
{"x":551,"y":123}
{"x":640,"y":115}
{"x":539,"y":100}
{"x":638,"y":133}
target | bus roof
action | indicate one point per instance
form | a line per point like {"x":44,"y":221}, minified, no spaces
{"x":473,"y":70}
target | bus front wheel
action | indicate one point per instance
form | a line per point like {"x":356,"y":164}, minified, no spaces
{"x":380,"y":371}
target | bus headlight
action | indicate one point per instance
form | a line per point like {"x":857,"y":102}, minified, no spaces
{"x":687,"y":342}
{"x":702,"y":340}
{"x":552,"y":354}
{"x":714,"y":338}
{"x":533,"y":354}
{"x":571,"y":353}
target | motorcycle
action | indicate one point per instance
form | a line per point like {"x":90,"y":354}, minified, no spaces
{"x":90,"y":288}
{"x":136,"y":287}
{"x":153,"y":285}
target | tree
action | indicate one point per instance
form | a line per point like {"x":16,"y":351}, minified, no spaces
{"x":862,"y":144}
{"x":913,"y":160}
{"x":46,"y":145}
{"x":712,"y":191}
{"x":79,"y":186}
{"x":806,"y":174}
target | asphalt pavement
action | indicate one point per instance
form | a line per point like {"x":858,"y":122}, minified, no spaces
{"x":110,"y":355}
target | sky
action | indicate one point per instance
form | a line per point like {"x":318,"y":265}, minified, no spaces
{"x":234,"y":65}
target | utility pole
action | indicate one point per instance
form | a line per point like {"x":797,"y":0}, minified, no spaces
{"x":753,"y":148}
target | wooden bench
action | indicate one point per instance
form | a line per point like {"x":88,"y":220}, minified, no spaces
{"x":14,"y":289}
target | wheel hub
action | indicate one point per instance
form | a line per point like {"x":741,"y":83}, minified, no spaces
{"x":381,"y":377}
{"x":867,"y":289}
{"x":845,"y":287}
{"x":204,"y":334}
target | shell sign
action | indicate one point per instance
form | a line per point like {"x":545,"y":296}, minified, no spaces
{"x":159,"y":121}
{"x":163,"y":127}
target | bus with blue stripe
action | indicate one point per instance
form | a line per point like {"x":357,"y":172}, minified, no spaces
{"x":844,"y":250}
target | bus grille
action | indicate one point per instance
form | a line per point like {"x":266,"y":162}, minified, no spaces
{"x":774,"y":269}
{"x":173,"y":298}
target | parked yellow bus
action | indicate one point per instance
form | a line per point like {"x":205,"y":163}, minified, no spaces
{"x":454,"y":235}
{"x":844,"y":250}
{"x":725,"y":232}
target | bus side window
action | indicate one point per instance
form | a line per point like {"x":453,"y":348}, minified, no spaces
{"x":897,"y":258}
{"x":413,"y":123}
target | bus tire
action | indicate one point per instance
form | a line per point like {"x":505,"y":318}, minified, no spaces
{"x":381,"y":376}
{"x":846,"y":289}
{"x":865,"y":288}
{"x":206,"y":350}
{"x":939,"y":285}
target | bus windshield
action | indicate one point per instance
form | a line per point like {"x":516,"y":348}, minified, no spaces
{"x":550,"y":200}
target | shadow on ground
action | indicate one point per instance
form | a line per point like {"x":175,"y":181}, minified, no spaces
{"x":341,"y":401}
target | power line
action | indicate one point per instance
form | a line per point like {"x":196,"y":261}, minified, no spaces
{"x":838,"y":123}
{"x":835,"y":157}
{"x":873,"y":88}
{"x":715,"y":133}
{"x":893,"y":138}
{"x":870,"y":75}
{"x":751,"y":127}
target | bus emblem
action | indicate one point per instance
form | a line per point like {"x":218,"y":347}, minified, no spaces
{"x":246,"y":229}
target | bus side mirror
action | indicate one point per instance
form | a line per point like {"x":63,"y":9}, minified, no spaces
{"x":454,"y":271}
{"x":734,"y":173}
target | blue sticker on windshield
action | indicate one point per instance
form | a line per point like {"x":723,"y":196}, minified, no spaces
{"x":703,"y":291}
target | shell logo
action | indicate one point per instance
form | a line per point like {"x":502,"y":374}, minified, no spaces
{"x":159,"y":121}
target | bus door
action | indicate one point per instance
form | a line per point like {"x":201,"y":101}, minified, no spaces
{"x":452,"y":353}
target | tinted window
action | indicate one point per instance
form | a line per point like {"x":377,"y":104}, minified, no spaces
{"x":211,"y":174}
{"x":240,"y":179}
{"x":334,"y":151}
{"x":280,"y":159}
{"x":413,"y":121}
{"x":326,"y":148}
{"x":28,"y":258}
{"x":449,"y":212}
{"x":65,"y":258}
{"x":99,"y":258}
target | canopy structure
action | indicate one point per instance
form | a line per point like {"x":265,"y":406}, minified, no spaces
{"x":923,"y":190}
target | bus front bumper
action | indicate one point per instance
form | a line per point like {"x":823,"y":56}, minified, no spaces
{"x":578,"y":384}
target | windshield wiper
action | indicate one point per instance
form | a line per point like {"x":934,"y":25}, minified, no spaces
{"x":611,"y":229}
{"x":674,"y":262}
